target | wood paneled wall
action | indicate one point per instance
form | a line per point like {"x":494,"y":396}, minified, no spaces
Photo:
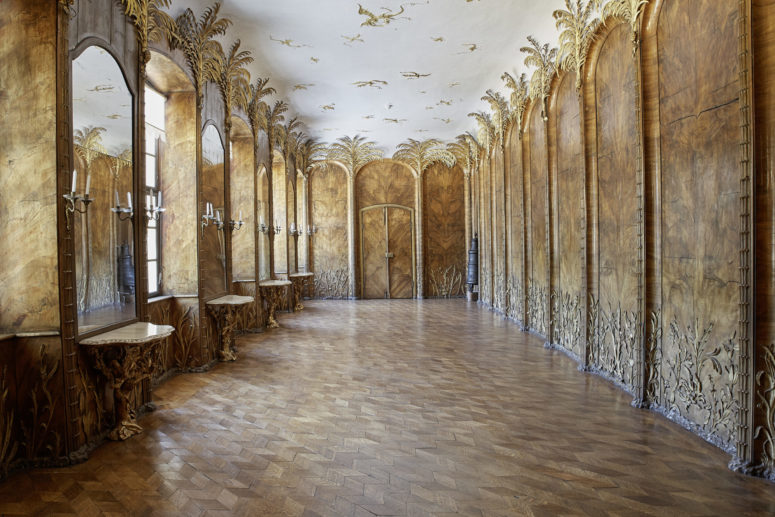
{"x":444,"y":231}
{"x":633,"y":203}
{"x":328,"y":247}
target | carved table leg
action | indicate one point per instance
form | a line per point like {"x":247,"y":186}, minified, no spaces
{"x":126,"y":425}
{"x":272,"y":302}
{"x":228,"y":352}
{"x":297,"y":285}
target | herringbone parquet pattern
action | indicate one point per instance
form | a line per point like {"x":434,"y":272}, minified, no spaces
{"x":395,"y":408}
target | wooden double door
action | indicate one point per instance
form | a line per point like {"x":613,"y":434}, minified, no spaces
{"x":387,"y":252}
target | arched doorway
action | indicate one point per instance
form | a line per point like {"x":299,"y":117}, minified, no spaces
{"x":387,"y":252}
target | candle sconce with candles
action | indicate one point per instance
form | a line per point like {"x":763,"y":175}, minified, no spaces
{"x":277,"y":228}
{"x":293,"y":231}
{"x":153,"y":208}
{"x":311,"y":230}
{"x":212,"y":217}
{"x":76,"y":203}
{"x":124,"y":213}
{"x":236,"y":225}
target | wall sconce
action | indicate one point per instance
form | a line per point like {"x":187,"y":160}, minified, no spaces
{"x":211,"y":217}
{"x":123,"y":213}
{"x":154,"y":208}
{"x":292,"y":231}
{"x":277,"y":228}
{"x":236,"y":225}
{"x":262,"y":227}
{"x":74,"y":202}
{"x":311,"y":230}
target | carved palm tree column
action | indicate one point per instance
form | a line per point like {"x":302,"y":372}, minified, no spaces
{"x":420,"y":292}
{"x":351,"y":232}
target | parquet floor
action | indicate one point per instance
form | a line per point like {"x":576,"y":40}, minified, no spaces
{"x":395,"y":408}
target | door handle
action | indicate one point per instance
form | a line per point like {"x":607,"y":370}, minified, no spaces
{"x":388,"y":255}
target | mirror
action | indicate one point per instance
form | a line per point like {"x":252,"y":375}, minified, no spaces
{"x":103,"y":169}
{"x":213,"y":247}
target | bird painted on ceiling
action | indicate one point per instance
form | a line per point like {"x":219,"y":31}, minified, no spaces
{"x":471,"y":47}
{"x":367,"y":117}
{"x":353,"y":39}
{"x":414,"y":75}
{"x":314,"y":59}
{"x":445,"y":120}
{"x":395,"y":120}
{"x":302,"y":86}
{"x":287,"y":42}
{"x":374,"y":83}
{"x":328,"y":107}
{"x":438,"y":39}
{"x":452,"y":85}
{"x":444,"y":102}
{"x":378,"y":20}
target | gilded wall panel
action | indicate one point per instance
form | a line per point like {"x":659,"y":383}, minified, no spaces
{"x":180,"y":222}
{"x":28,"y":167}
{"x":538,"y":288}
{"x":570,"y":289}
{"x":699,"y":128}
{"x":516,"y":257}
{"x":444,"y":231}
{"x":498,"y":248}
{"x":242,"y":192}
{"x":614,"y":312}
{"x":328,"y":247}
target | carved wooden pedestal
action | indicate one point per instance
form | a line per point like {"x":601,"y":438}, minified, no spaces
{"x":273,"y":291}
{"x":127,"y":356}
{"x":224,"y":312}
{"x":298,"y":281}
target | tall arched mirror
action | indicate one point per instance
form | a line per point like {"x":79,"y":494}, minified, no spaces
{"x":213,"y":247}
{"x":103,"y":230}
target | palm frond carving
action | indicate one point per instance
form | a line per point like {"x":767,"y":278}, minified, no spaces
{"x":88,"y":143}
{"x":287,"y":140}
{"x":353,"y":152}
{"x":627,"y":10}
{"x":270,"y":118}
{"x":422,"y":154}
{"x":459,"y":149}
{"x":543,"y":59}
{"x":500,"y":113}
{"x":486,"y":129}
{"x":577,"y":25}
{"x":233,"y":78}
{"x":256,"y":107}
{"x":309,"y":153}
{"x":196,"y":38}
{"x":518,"y":98}
{"x":152,"y":22}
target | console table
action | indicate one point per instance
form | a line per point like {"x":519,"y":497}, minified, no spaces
{"x":125,"y":357}
{"x":298,"y":281}
{"x":224,"y":311}
{"x":273,"y":291}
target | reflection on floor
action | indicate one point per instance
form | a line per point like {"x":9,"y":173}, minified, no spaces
{"x":94,"y":319}
{"x":395,"y":408}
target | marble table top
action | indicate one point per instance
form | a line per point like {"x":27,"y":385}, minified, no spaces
{"x":134,"y":334}
{"x":301,"y":275}
{"x":231,"y":299}
{"x":274,"y":283}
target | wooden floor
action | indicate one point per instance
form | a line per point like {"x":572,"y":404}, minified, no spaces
{"x":395,"y":408}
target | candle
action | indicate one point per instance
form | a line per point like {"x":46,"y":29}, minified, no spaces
{"x":158,"y":203}
{"x":218,"y":216}
{"x":262,"y":220}
{"x":118,"y":203}
{"x":129,"y":199}
{"x":240,"y":215}
{"x":88,"y":184}
{"x":75,"y":175}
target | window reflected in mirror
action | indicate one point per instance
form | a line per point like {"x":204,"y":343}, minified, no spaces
{"x":103,"y":170}
{"x":155,"y":137}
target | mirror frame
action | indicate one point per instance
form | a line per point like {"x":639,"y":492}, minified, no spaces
{"x":138,"y":230}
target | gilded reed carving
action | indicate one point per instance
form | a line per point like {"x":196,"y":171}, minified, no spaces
{"x":765,"y":402}
{"x":537,"y":309}
{"x":567,"y":321}
{"x":8,"y":446}
{"x":614,"y":333}
{"x":653,"y":358}
{"x":331,"y":284}
{"x":515,"y":295}
{"x":699,"y":381}
{"x":37,"y":432}
{"x":499,"y":291}
{"x":446,"y":282}
{"x":186,"y":335}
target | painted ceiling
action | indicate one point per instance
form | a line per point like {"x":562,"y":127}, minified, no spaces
{"x":386,"y":69}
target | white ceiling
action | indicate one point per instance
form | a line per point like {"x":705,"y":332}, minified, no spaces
{"x":317,"y":51}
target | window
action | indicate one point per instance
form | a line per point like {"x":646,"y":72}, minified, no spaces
{"x":154,"y":138}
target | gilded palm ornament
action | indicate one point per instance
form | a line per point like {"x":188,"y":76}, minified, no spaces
{"x":88,"y":143}
{"x":577,"y":25}
{"x":288,"y":141}
{"x":309,"y":152}
{"x":459,"y":149}
{"x":627,"y":10}
{"x":196,"y":38}
{"x":422,"y":154}
{"x":485,"y":136}
{"x":233,"y":78}
{"x":543,"y":59}
{"x":518,"y":98}
{"x":500,"y":114}
{"x":353,"y":152}
{"x":256,"y":107}
{"x":153,"y":24}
